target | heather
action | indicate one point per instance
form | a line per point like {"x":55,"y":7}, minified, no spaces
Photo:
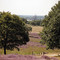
{"x":25,"y":57}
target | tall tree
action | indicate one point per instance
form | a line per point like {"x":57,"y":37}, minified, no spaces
{"x":51,"y":32}
{"x":12,"y":31}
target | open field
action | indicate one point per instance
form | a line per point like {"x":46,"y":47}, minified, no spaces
{"x":36,"y":29}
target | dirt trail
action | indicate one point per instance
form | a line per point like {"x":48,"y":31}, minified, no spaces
{"x":52,"y":54}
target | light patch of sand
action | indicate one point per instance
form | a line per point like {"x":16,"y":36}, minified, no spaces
{"x":51,"y":55}
{"x":36,"y":29}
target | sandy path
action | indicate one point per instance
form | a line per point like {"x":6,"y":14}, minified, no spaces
{"x":52,"y":54}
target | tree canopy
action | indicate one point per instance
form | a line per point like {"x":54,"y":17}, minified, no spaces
{"x":35,"y":22}
{"x":12,"y":31}
{"x":51,"y":32}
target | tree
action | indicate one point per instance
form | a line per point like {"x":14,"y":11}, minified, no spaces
{"x":35,"y":22}
{"x":51,"y":32}
{"x":25,"y":20}
{"x":29,"y":28}
{"x":12,"y":31}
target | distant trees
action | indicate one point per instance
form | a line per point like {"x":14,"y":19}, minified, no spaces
{"x":35,"y":22}
{"x":12,"y":31}
{"x":32,"y":22}
{"x":51,"y":32}
{"x":24,"y":20}
{"x":35,"y":17}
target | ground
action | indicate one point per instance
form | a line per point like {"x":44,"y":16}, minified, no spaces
{"x":36,"y":29}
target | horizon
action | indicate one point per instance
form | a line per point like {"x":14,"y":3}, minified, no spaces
{"x":32,"y":15}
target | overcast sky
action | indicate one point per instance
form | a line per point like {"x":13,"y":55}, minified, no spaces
{"x":27,"y":7}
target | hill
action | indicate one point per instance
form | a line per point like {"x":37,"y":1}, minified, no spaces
{"x":31,"y":17}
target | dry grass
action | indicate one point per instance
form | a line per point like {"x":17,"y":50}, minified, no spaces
{"x":36,"y":29}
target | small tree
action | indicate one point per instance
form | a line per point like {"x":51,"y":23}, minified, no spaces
{"x":29,"y":28}
{"x":12,"y":31}
{"x":51,"y":32}
{"x":25,"y":20}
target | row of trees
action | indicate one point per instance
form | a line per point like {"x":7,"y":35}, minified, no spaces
{"x":13,"y":31}
{"x":51,"y":32}
{"x":35,"y":22}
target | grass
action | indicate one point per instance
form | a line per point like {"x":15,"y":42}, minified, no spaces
{"x":36,"y":29}
{"x":34,"y":40}
{"x":29,"y":50}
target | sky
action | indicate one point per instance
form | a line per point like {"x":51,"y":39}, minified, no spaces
{"x":27,"y":7}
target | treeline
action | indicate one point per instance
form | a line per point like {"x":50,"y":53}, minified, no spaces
{"x":33,"y":22}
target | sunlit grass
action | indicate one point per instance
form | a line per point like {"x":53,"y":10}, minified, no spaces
{"x":29,"y":50}
{"x":36,"y":29}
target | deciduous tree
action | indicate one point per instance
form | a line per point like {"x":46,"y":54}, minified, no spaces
{"x":12,"y":31}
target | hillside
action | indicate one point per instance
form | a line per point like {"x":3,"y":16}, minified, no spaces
{"x":31,"y":17}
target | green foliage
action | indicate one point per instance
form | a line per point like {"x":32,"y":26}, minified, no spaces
{"x":24,"y":20}
{"x":29,"y":28}
{"x":35,"y":22}
{"x":12,"y":31}
{"x":51,"y":31}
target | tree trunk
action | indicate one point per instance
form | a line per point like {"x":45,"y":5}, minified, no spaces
{"x":5,"y":49}
{"x":5,"y":46}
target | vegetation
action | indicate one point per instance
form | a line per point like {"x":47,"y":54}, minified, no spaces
{"x":36,"y":48}
{"x":12,"y":31}
{"x":25,"y":57}
{"x":24,"y":20}
{"x":35,"y":22}
{"x":29,"y":28}
{"x":36,"y":29}
{"x":51,"y":30}
{"x":31,"y":17}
